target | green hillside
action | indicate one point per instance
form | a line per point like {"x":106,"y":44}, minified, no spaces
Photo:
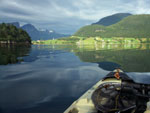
{"x":11,"y":34}
{"x":136,"y":26}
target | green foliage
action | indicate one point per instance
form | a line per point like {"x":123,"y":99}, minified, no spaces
{"x":90,"y":31}
{"x":10,"y":33}
{"x":136,"y":26}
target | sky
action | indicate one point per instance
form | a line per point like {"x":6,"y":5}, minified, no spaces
{"x":67,"y":16}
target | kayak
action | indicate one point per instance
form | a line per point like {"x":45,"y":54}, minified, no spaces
{"x":115,"y":93}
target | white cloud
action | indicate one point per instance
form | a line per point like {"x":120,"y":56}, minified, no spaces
{"x":142,"y":7}
{"x":75,"y":13}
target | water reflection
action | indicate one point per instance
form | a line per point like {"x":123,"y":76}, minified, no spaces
{"x":133,"y":58}
{"x":47,"y":83}
{"x":110,"y":66}
{"x":11,"y":54}
{"x":49,"y":78}
{"x":48,"y":86}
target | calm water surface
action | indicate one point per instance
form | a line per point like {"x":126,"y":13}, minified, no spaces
{"x":47,"y":79}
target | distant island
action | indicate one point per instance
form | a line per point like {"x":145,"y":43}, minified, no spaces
{"x":10,"y":34}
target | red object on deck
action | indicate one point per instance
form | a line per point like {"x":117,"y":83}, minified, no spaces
{"x":117,"y":74}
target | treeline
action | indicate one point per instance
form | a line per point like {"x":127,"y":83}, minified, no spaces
{"x":136,"y":26}
{"x":11,"y":34}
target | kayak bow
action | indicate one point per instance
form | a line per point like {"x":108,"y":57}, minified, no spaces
{"x":115,"y":93}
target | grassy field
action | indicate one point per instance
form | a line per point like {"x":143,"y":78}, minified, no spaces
{"x":91,"y":40}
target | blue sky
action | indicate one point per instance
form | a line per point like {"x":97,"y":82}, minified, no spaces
{"x":67,"y":16}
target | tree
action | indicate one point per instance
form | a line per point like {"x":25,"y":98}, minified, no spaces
{"x":10,"y":33}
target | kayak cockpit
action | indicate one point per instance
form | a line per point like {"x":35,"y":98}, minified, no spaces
{"x":115,"y":93}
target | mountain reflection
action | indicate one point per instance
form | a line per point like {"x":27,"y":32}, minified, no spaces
{"x":131,"y":58}
{"x":11,"y":54}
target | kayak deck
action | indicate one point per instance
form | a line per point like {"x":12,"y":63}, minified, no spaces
{"x":84,"y":104}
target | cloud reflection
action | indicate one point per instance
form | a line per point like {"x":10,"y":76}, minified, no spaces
{"x":39,"y":84}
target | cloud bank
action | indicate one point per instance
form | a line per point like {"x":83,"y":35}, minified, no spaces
{"x":66,"y":16}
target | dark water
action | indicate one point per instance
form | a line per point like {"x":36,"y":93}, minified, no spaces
{"x":47,"y":79}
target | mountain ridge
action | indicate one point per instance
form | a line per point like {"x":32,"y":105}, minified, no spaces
{"x":112,"y":19}
{"x":37,"y":34}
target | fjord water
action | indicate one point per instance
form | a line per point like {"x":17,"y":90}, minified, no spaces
{"x":47,"y":79}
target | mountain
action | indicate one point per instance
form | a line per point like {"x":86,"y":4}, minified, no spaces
{"x":109,"y":20}
{"x":11,"y":34}
{"x":31,"y":30}
{"x":41,"y":34}
{"x":136,"y":26}
{"x":36,"y":34}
